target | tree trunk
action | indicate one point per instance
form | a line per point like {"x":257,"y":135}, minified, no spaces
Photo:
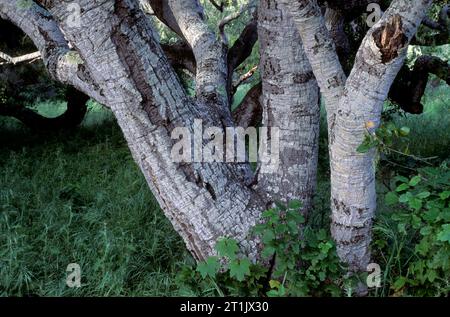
{"x":116,"y":45}
{"x":290,"y":103}
{"x":353,"y":195}
{"x":353,"y":105}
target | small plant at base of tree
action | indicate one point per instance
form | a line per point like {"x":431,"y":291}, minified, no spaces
{"x":421,"y":218}
{"x":296,"y":261}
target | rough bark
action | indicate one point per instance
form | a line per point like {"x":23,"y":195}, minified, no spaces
{"x":290,"y":103}
{"x":320,"y":49}
{"x":118,"y":47}
{"x":71,"y":118}
{"x":351,"y":104}
{"x":210,"y":54}
{"x":353,"y":194}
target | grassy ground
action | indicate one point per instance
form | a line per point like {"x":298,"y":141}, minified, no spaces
{"x":79,"y":198}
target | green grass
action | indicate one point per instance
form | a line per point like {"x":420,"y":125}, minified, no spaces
{"x":430,"y":134}
{"x":78,"y":197}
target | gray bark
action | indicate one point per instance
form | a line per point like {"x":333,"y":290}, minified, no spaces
{"x":210,"y":54}
{"x":290,"y":102}
{"x":353,"y":105}
{"x":118,"y":47}
{"x":378,"y":62}
{"x":320,"y":49}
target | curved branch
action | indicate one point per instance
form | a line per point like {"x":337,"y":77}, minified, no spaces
{"x":219,"y":7}
{"x":442,"y":26}
{"x":59,"y":60}
{"x":410,"y":85}
{"x":241,"y":50}
{"x":249,"y":112}
{"x":164,"y":13}
{"x":228,"y":19}
{"x":210,"y":54}
{"x":72,"y":117}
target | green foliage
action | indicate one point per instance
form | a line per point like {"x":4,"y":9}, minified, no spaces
{"x":420,"y":217}
{"x":296,"y":261}
{"x":74,"y":57}
{"x":79,"y":197}
{"x":383,"y":138}
{"x":24,"y":4}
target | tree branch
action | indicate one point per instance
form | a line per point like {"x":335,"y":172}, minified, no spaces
{"x":72,"y":117}
{"x":20,"y":59}
{"x":219,"y":7}
{"x":320,"y":49}
{"x":442,"y":26}
{"x":249,"y":112}
{"x":410,"y":85}
{"x":225,"y":21}
{"x":60,"y":61}
{"x":210,"y":54}
{"x":241,"y":50}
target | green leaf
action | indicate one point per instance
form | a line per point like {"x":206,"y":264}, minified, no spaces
{"x":415,"y":180}
{"x":322,"y":276}
{"x":227,"y":248}
{"x":295,"y":216}
{"x":209,"y":268}
{"x":431,"y":215}
{"x":364,"y":148}
{"x":325,"y":247}
{"x":268,"y":237}
{"x":401,"y":179}
{"x":423,"y":247}
{"x":432,"y":275}
{"x":404,"y":131}
{"x":274,"y":284}
{"x":295,"y":204}
{"x":415,"y":203}
{"x":293,"y":227}
{"x":269,"y":213}
{"x":444,"y":235}
{"x":445,"y":195}
{"x":391,"y":198}
{"x":399,"y":283}
{"x":268,"y":252}
{"x":423,"y":195}
{"x":426,"y":230}
{"x":404,"y":198}
{"x":240,"y":269}
{"x":402,"y":187}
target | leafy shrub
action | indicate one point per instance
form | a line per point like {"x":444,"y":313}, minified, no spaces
{"x":294,"y":262}
{"x":421,"y":218}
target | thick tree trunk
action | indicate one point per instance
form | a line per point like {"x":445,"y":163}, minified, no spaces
{"x":353,"y":195}
{"x":353,"y":105}
{"x":117,"y":46}
{"x":290,"y":103}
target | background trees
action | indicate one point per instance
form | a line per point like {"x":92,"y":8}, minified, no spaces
{"x":117,"y":58}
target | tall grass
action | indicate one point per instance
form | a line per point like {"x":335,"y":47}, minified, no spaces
{"x":78,"y":197}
